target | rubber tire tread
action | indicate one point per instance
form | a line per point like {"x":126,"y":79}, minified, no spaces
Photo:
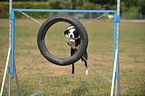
{"x":41,"y":39}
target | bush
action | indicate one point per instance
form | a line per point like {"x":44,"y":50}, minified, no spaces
{"x":1,"y":10}
{"x":25,"y":5}
{"x":52,"y":4}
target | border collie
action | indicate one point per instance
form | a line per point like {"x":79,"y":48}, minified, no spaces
{"x":74,"y":40}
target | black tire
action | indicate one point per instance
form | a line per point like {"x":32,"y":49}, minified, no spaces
{"x":41,"y":42}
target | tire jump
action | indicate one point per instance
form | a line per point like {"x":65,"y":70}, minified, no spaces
{"x":41,"y":39}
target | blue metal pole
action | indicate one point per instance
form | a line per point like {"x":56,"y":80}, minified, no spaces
{"x":11,"y":69}
{"x":115,"y":77}
{"x":116,"y":37}
{"x":114,"y":44}
{"x":115,"y":53}
{"x":10,"y":23}
{"x":58,"y":10}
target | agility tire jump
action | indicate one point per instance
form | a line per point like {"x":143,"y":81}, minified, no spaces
{"x":41,"y":39}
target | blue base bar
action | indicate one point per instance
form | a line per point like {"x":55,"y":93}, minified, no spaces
{"x":35,"y":94}
{"x":58,"y":10}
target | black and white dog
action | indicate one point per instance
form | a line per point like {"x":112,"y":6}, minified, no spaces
{"x":74,"y":40}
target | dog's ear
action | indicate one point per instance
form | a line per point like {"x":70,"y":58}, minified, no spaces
{"x":76,"y":34}
{"x":66,"y":32}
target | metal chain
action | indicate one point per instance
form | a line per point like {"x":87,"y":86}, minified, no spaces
{"x":84,"y":57}
{"x":27,"y":65}
{"x":29,"y":17}
{"x":84,"y":24}
{"x":96,"y":18}
{"x":40,"y":53}
{"x":95,"y":69}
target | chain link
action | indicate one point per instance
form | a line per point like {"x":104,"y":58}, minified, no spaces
{"x":29,"y":17}
{"x":96,"y":70}
{"x":96,"y":18}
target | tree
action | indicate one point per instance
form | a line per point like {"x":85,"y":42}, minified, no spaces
{"x":61,"y":4}
{"x":102,"y":2}
{"x":141,"y":6}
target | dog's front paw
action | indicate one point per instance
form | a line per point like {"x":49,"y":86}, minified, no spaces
{"x":72,"y":40}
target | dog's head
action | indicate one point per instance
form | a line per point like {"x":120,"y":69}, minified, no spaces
{"x":71,"y":32}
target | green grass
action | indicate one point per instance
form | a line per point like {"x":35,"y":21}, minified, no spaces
{"x":52,"y":80}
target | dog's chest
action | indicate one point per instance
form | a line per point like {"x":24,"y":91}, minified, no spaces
{"x":73,"y":43}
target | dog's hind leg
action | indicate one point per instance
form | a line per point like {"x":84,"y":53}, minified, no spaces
{"x":73,"y":66}
{"x":85,"y":58}
{"x":73,"y":69}
{"x":86,"y":68}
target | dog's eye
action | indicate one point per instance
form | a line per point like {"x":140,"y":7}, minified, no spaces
{"x":66,"y":32}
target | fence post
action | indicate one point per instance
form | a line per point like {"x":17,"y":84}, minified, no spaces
{"x":140,"y":15}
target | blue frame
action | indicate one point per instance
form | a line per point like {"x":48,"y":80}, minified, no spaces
{"x":12,"y":17}
{"x":58,"y":10}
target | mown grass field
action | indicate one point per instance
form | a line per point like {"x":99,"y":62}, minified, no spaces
{"x":52,"y":80}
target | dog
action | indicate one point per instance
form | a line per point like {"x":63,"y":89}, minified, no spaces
{"x":74,"y":40}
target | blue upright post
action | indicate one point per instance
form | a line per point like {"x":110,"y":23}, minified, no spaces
{"x":114,"y":44}
{"x":115,"y":75}
{"x":115,"y":41}
{"x":115,"y":53}
{"x":11,"y":69}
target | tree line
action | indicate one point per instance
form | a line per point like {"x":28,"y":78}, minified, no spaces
{"x":127,"y":6}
